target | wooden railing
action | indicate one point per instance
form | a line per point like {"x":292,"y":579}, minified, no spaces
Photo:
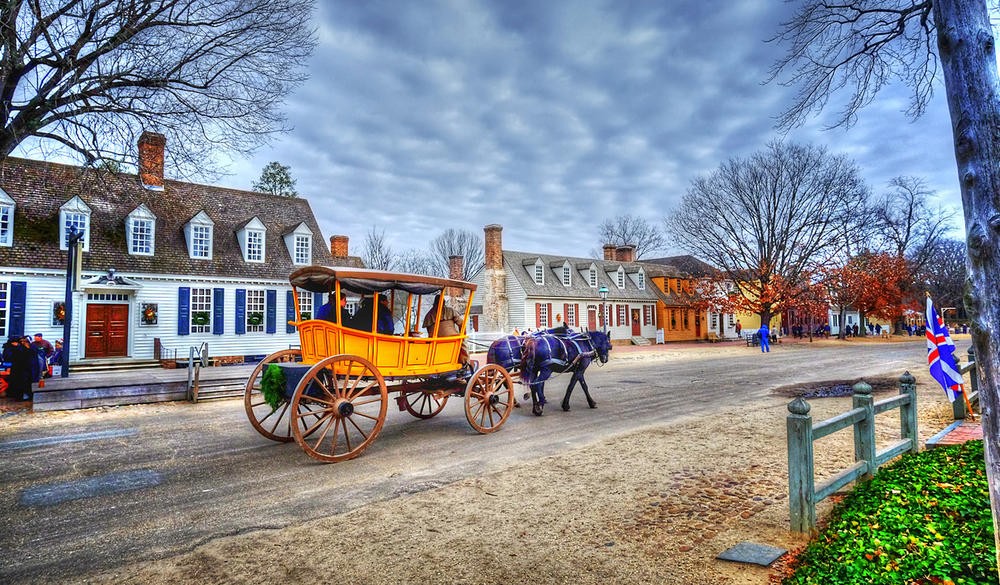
{"x":958,"y":407}
{"x":803,"y":494}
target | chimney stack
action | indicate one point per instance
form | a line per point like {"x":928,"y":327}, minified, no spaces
{"x":455,"y":265}
{"x":494,"y":289}
{"x":151,"y":146}
{"x":338,"y":246}
{"x":625,"y":253}
{"x":609,"y":252}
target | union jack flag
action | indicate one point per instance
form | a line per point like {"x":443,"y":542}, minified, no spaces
{"x":940,"y":354}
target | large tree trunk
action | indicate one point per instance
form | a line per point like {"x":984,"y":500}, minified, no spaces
{"x":968,"y":58}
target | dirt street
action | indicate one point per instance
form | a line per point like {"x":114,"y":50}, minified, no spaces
{"x":684,"y":457}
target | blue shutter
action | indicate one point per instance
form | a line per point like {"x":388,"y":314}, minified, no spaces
{"x":18,"y":294}
{"x":218,"y":304}
{"x":289,"y":312}
{"x":184,"y":310}
{"x":241,"y":311}
{"x":270,"y":311}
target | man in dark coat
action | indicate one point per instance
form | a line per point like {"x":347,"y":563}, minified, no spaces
{"x":23,"y":369}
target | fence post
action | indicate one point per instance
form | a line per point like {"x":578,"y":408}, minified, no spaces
{"x":801,"y":489}
{"x":908,"y":413}
{"x":973,"y":373}
{"x":958,"y":410}
{"x":864,"y":430}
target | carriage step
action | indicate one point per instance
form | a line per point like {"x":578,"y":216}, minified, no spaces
{"x":636,"y":340}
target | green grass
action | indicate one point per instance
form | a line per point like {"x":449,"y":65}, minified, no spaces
{"x":924,"y":519}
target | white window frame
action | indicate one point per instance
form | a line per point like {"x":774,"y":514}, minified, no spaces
{"x":539,"y":273}
{"x":4,"y":309}
{"x":543,"y":314}
{"x":571,"y":316}
{"x":567,"y":275}
{"x":193,"y":230}
{"x":623,"y":315}
{"x":592,"y":277}
{"x":201,"y":301}
{"x":140,"y":218}
{"x":641,"y":280}
{"x":78,"y":212}
{"x":621,"y":277}
{"x":306,"y":303}
{"x":7,"y":206}
{"x":256,"y":298}
{"x":253,"y":241}
{"x":303,"y":250}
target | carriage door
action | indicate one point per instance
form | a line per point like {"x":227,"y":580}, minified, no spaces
{"x":592,"y":318}
{"x":636,"y":323}
{"x":107,"y":330}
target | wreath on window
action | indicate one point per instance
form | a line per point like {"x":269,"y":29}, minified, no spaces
{"x":149,"y":314}
{"x":200,"y":318}
{"x":255,"y":318}
{"x":306,"y":315}
{"x":58,"y":313}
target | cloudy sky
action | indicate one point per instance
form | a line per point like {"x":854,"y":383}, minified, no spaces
{"x":548,"y":117}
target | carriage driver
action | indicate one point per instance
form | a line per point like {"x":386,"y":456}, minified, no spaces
{"x":451,"y":325}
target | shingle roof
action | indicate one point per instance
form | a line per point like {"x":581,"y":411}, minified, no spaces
{"x":687,"y":264}
{"x":39,"y":189}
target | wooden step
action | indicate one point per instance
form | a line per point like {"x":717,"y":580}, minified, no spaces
{"x":636,"y":340}
{"x":92,"y":366}
{"x":216,"y":389}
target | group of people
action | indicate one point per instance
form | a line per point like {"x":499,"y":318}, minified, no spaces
{"x":27,"y":362}
{"x":362,"y":319}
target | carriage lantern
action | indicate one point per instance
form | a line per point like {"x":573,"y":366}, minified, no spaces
{"x":603,"y":291}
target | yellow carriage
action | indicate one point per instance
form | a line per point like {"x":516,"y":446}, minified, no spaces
{"x":335,"y":388}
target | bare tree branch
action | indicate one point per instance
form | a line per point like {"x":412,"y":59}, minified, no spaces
{"x":462,"y":243}
{"x":629,"y":230}
{"x":376,"y":252}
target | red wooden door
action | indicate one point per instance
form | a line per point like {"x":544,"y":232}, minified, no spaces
{"x":591,"y":319}
{"x":107,"y":331}
{"x":636,"y":323}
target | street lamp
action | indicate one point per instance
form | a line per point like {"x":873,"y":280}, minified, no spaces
{"x":72,"y":269}
{"x":603,"y":291}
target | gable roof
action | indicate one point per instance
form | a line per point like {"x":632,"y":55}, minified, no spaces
{"x":39,"y":189}
{"x":687,"y":264}
{"x":553,"y":287}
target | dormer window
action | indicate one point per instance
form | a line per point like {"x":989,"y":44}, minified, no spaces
{"x":299,"y":244}
{"x":641,"y":280}
{"x":140,"y":231}
{"x":592,"y":277}
{"x":539,"y":273}
{"x":251,"y":239}
{"x":621,"y":277}
{"x":74,"y":214}
{"x":6,"y":221}
{"x":567,"y":273}
{"x":198,"y":232}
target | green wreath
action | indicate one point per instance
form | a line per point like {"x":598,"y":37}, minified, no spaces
{"x":200,"y":318}
{"x":272,"y":386}
{"x":255,"y":319}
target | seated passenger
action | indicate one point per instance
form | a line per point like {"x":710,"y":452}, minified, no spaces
{"x":451,"y":323}
{"x":362,"y":319}
{"x":385,"y":323}
{"x":325,"y":311}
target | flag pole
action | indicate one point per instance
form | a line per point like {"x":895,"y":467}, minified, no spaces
{"x":968,"y":405}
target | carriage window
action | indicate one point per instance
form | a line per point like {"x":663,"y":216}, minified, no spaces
{"x":201,"y":310}
{"x":255,"y":311}
{"x":566,"y":276}
{"x":539,"y":274}
{"x":305,"y":304}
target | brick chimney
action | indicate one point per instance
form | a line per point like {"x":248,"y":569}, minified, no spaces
{"x":151,"y":146}
{"x":338,"y":246}
{"x":609,"y":252}
{"x":493,"y":292}
{"x":455,"y":265}
{"x":625,"y":253}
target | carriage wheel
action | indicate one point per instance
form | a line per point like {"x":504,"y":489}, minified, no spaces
{"x":424,"y":404}
{"x":489,"y":397}
{"x":273,"y":424}
{"x":339,"y":408}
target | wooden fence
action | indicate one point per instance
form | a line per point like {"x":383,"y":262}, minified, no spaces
{"x":803,"y":494}
{"x":958,"y":407}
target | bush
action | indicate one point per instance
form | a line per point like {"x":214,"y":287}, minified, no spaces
{"x":923,"y":520}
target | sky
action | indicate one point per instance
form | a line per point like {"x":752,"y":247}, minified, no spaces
{"x":549,"y":117}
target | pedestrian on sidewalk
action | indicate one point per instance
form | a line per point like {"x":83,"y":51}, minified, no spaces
{"x":765,"y":338}
{"x":23,"y":369}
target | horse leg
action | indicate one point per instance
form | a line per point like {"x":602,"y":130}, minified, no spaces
{"x":569,"y":391}
{"x":586,"y":391}
{"x":536,"y":402}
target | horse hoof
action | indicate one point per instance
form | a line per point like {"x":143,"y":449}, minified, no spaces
{"x":565,"y":408}
{"x":593,"y":405}
{"x":536,"y":410}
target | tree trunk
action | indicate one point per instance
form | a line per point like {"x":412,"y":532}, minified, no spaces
{"x":842,"y":327}
{"x":968,"y":58}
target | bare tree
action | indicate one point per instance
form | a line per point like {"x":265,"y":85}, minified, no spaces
{"x":861,"y":45}
{"x":276,"y":179}
{"x":770,"y":220}
{"x":91,"y":76}
{"x":376,"y":252}
{"x":414,"y":261}
{"x":629,"y":230}
{"x":462,"y":243}
{"x":944,"y":274}
{"x":908,"y":223}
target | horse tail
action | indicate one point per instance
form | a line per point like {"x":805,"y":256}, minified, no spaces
{"x":527,"y":364}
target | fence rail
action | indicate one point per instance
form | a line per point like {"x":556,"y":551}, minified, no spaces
{"x":958,"y":407}
{"x":803,"y":494}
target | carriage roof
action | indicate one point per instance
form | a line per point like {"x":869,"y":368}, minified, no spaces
{"x":366,"y":281}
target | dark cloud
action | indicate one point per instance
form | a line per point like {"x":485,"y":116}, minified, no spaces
{"x":547,"y":117}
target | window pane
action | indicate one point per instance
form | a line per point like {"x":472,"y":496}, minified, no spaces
{"x":142,"y":236}
{"x":303,"y":249}
{"x":3,"y":310}
{"x":78,"y":221}
{"x":306,"y":304}
{"x":201,"y":310}
{"x":6,"y":219}
{"x":255,"y":311}
{"x":255,"y":246}
{"x":201,"y":241}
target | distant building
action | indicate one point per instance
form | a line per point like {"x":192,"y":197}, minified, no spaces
{"x":165,"y":263}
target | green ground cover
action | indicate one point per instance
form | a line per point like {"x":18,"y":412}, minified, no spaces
{"x":924,"y":519}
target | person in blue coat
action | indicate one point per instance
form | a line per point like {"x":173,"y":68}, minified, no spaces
{"x":765,"y":338}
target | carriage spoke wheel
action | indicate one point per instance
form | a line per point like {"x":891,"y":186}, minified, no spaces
{"x":275,"y":424}
{"x":339,"y":408}
{"x":489,"y":397}
{"x":424,"y":404}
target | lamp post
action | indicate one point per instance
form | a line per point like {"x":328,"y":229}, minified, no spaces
{"x":603,"y":291}
{"x":73,"y":240}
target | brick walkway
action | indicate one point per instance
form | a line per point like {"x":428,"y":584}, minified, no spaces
{"x":956,"y":434}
